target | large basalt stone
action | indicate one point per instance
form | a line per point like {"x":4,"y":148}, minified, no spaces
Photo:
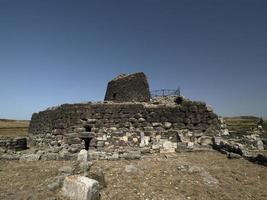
{"x":133,"y":87}
{"x":80,"y":188}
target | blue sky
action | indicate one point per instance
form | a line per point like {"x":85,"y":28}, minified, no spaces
{"x":64,"y":51}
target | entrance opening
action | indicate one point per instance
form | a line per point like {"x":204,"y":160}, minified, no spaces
{"x":86,"y":143}
{"x":114,"y":96}
{"x":88,"y":128}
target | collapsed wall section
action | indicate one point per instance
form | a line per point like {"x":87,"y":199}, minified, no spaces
{"x":114,"y":128}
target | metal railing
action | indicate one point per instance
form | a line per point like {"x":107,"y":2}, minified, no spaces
{"x":165,"y":92}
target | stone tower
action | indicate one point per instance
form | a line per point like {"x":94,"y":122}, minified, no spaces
{"x":127,"y":88}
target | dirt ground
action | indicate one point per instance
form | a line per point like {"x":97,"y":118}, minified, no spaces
{"x":195,"y":176}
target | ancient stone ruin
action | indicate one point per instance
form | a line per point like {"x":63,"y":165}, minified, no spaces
{"x":128,"y":88}
{"x":127,"y":124}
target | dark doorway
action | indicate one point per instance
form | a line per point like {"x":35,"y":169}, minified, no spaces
{"x":114,"y":96}
{"x":88,"y":128}
{"x":86,"y":143}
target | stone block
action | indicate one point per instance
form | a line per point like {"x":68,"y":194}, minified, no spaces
{"x":82,"y":156}
{"x":77,"y":187}
{"x":50,"y":156}
{"x":30,"y":157}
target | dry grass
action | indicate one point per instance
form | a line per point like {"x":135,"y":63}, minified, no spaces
{"x":13,"y":128}
{"x":241,"y":123}
{"x":157,"y":177}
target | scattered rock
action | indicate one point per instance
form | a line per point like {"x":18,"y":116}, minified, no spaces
{"x":50,"y":156}
{"x":82,"y":168}
{"x":98,"y":175}
{"x":131,"y":155}
{"x":8,"y":156}
{"x":167,"y":125}
{"x":77,"y":187}
{"x":55,"y":182}
{"x":130,"y":168}
{"x":190,"y":145}
{"x":233,"y":156}
{"x":66,"y":170}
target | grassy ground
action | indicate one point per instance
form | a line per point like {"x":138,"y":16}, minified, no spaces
{"x":178,"y":176}
{"x":13,"y":128}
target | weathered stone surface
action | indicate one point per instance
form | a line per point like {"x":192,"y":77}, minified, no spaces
{"x":205,"y":141}
{"x":109,"y":130}
{"x":8,"y":156}
{"x":167,"y":125}
{"x":80,"y":188}
{"x":82,"y":156}
{"x":131,"y":155}
{"x":84,"y":166}
{"x":16,"y":144}
{"x":133,"y":87}
{"x":66,"y":170}
{"x":30,"y":157}
{"x":260,"y":145}
{"x":50,"y":156}
{"x":55,"y":183}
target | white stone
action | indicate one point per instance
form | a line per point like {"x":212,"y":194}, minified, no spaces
{"x":156,"y":124}
{"x":260,"y":145}
{"x":190,"y":145}
{"x":124,"y":138}
{"x":113,"y":129}
{"x":142,"y":136}
{"x":168,"y":150}
{"x":167,"y":125}
{"x":209,"y":108}
{"x":167,"y":144}
{"x":83,"y":155}
{"x":158,"y":137}
{"x":168,"y":147}
{"x":135,"y":140}
{"x":146,"y":140}
{"x":225,"y":132}
{"x":155,"y":146}
{"x":80,"y":188}
{"x":91,"y":120}
{"x":141,"y":120}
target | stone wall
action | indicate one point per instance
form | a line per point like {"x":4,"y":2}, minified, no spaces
{"x":13,"y":143}
{"x":127,"y":88}
{"x":116,"y":128}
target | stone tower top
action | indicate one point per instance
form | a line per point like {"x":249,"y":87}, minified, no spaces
{"x":128,"y":87}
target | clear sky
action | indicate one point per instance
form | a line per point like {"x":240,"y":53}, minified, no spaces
{"x":64,"y":51}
